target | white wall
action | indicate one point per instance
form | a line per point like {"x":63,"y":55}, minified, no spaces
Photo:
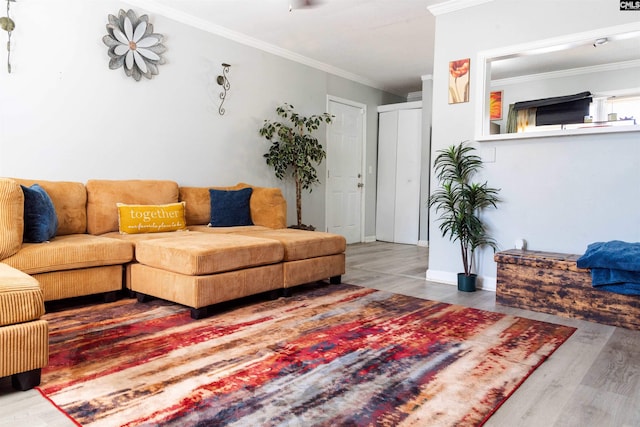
{"x":558,"y":193}
{"x":64,"y":115}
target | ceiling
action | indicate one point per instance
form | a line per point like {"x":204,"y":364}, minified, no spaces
{"x":386,"y":44}
{"x":614,"y":49}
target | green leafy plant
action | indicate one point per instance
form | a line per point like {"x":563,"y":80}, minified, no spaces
{"x":294,"y":149}
{"x":460,"y":201}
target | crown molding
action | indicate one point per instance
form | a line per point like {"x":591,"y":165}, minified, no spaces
{"x":414,"y":96}
{"x":453,"y":5}
{"x":567,"y":73}
{"x":201,"y":24}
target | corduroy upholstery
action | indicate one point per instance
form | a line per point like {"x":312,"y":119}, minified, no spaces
{"x":200,"y":254}
{"x":213,"y":264}
{"x":20,"y":297}
{"x":102,"y":196}
{"x":70,"y":252}
{"x":11,"y":217}
{"x":302,"y":244}
{"x":268,"y":206}
{"x":70,"y":201}
{"x":24,"y":337}
{"x":202,"y":291}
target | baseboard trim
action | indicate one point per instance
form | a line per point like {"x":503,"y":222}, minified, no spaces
{"x":423,"y":243}
{"x":442,"y":277}
{"x":369,"y":239}
{"x":485,"y":283}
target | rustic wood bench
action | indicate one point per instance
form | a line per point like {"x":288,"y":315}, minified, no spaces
{"x":552,"y":283}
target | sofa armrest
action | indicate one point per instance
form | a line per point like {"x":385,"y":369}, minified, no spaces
{"x":11,"y":217}
{"x":21,"y":298}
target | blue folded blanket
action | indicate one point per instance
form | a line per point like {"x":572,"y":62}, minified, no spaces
{"x":615,"y":266}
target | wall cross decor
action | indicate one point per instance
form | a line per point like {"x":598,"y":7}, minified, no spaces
{"x":223,"y":81}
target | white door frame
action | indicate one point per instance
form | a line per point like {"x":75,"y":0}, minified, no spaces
{"x":363,"y":163}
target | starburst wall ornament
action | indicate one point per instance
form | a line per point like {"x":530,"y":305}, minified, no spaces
{"x":133,"y":44}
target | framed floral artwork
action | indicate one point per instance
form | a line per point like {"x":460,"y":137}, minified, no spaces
{"x":495,"y":105}
{"x":459,"y":81}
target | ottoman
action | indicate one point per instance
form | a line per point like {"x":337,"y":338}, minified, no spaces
{"x":24,"y":337}
{"x":308,"y":255}
{"x":203,"y":269}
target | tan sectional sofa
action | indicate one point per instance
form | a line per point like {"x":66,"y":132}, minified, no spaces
{"x":197,"y":267}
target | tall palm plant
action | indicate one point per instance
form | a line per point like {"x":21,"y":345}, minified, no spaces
{"x":459,"y":201}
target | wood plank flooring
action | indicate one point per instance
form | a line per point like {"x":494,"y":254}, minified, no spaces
{"x":591,"y":380}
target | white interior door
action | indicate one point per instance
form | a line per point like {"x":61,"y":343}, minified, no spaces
{"x":407,"y":191}
{"x":386,"y":185}
{"x":345,"y":178}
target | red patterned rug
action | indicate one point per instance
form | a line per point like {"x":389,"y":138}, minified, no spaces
{"x":328,"y":356}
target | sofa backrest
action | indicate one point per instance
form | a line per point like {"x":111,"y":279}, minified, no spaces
{"x":70,"y":201}
{"x":268,"y":205}
{"x":102,"y":196}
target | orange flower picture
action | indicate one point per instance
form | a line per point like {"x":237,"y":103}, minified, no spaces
{"x":495,"y":105}
{"x":459,"y":81}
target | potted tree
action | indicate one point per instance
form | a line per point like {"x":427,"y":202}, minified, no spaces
{"x":459,"y":203}
{"x":294,"y":148}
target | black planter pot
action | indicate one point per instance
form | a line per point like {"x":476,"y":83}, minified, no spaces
{"x":467,"y":283}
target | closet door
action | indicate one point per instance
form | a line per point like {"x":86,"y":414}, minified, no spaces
{"x":407,"y":180}
{"x":398,"y":187}
{"x":386,"y":183}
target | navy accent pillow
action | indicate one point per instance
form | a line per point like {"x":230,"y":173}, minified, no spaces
{"x":230,"y":207}
{"x":40,"y":219}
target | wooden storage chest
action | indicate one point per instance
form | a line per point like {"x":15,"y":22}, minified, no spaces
{"x":551,"y":283}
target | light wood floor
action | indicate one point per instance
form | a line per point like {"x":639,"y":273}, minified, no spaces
{"x":593,"y":379}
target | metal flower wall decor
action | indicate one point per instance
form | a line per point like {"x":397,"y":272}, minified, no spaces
{"x":133,"y":44}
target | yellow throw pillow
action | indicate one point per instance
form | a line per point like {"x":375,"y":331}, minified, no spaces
{"x":134,"y":219}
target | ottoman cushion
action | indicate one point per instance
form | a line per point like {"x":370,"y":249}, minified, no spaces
{"x":204,"y":253}
{"x":302,"y":244}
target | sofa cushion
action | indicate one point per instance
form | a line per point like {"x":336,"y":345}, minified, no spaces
{"x":11,"y":217}
{"x":70,"y":252}
{"x":198,"y":200}
{"x":40,"y":219}
{"x":102,"y":196}
{"x":268,"y":206}
{"x":136,"y":219}
{"x":230,"y":208}
{"x":205,"y":253}
{"x":70,"y":201}
{"x":20,"y":297}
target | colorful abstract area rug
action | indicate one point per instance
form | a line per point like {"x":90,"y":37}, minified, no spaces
{"x":331,"y":355}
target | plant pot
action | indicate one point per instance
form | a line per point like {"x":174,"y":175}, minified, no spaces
{"x":303,"y":227}
{"x":467,"y":283}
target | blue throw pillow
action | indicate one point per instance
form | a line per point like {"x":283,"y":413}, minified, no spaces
{"x":230,"y":207}
{"x":40,"y":219}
